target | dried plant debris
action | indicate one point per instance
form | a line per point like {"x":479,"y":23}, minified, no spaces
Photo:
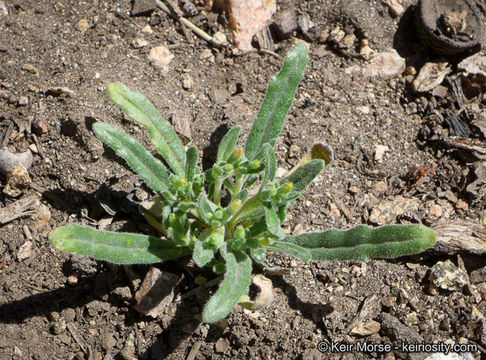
{"x":449,"y":27}
{"x":430,"y":76}
{"x":461,"y":237}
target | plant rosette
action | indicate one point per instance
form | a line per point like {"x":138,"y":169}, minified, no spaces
{"x":188,"y":208}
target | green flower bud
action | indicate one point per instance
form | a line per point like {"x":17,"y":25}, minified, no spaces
{"x":217,"y":171}
{"x":284,"y":190}
{"x":214,"y":242}
{"x":234,"y":206}
{"x":242,"y":169}
{"x":218,"y":214}
{"x":239,"y":232}
{"x":181,"y":181}
{"x":268,"y":193}
{"x":227,"y":168}
{"x":255,"y":164}
{"x":287,"y":187}
{"x":172,"y":218}
{"x":236,"y":154}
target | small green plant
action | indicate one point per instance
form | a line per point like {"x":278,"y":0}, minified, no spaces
{"x":230,"y":215}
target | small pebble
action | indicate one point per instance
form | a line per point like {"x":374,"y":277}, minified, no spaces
{"x":366,"y":328}
{"x":139,"y":43}
{"x":222,"y":345}
{"x":294,"y":151}
{"x":72,"y":279}
{"x":462,"y":205}
{"x":187,"y":81}
{"x":435,"y":210}
{"x":23,"y":101}
{"x":83,"y":25}
{"x":160,"y":57}
{"x":58,"y":327}
{"x":39,"y":127}
{"x":25,"y":251}
{"x":147,"y":29}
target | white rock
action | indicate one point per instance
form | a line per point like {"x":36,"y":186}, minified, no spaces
{"x":385,"y":65}
{"x":160,"y":57}
{"x":25,"y":251}
{"x":380,"y":152}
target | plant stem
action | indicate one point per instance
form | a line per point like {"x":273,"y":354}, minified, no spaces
{"x":239,"y":181}
{"x":250,"y":205}
{"x":217,"y":190}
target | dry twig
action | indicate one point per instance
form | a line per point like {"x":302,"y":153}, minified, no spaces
{"x":172,"y":10}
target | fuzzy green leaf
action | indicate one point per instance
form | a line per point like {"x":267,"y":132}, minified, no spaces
{"x":140,"y":110}
{"x":191,"y":163}
{"x":291,"y":249}
{"x":236,"y":282}
{"x":363,"y":242}
{"x":279,"y":97}
{"x":228,"y":144}
{"x":303,"y":176}
{"x":201,"y":255}
{"x":271,"y":219}
{"x":118,"y":248}
{"x":137,"y":157}
{"x":205,"y":208}
{"x":270,"y":164}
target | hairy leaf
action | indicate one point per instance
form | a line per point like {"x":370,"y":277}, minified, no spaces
{"x":137,"y":157}
{"x":291,"y":249}
{"x":191,"y":163}
{"x":364,"y":243}
{"x":201,"y":255}
{"x":269,"y":163}
{"x":205,"y":208}
{"x":236,"y":282}
{"x":140,"y":110}
{"x":119,"y":248}
{"x":279,"y":97}
{"x":303,"y":176}
{"x":228,"y":144}
{"x":273,"y":224}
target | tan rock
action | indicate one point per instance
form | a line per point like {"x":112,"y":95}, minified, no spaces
{"x":385,"y":65}
{"x":365,"y":328}
{"x":18,"y":180}
{"x":160,"y":57}
{"x":246,"y":18}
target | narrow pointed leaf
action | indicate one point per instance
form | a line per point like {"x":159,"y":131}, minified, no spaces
{"x":271,"y":219}
{"x":269,"y":163}
{"x":279,"y":97}
{"x":303,"y":176}
{"x":191,"y":163}
{"x":201,"y":255}
{"x":291,"y":249}
{"x":228,"y":144}
{"x":140,"y":110}
{"x":364,"y":243}
{"x":137,"y":157}
{"x":236,"y":282}
{"x":118,"y":248}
